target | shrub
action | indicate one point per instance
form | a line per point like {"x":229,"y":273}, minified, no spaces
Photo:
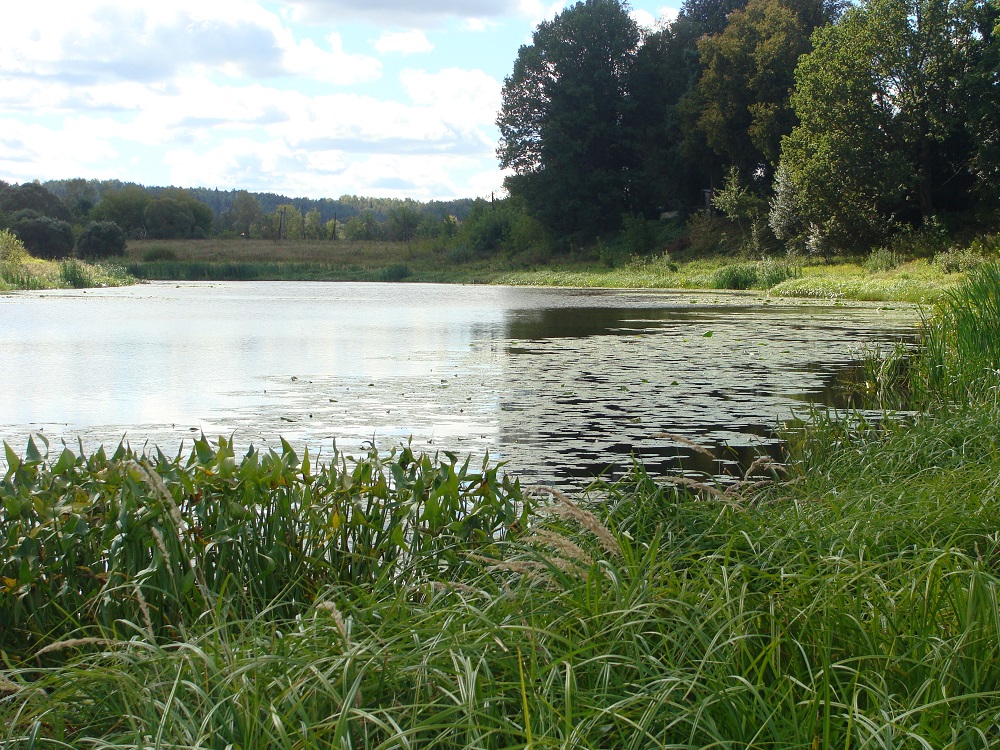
{"x":883,"y":259}
{"x":956,"y":260}
{"x":44,"y":237}
{"x":459,"y":255}
{"x":737,"y":276}
{"x":101,"y":239}
{"x":159,"y":253}
{"x":396,"y":272}
{"x":761,"y":275}
{"x":12,"y":250}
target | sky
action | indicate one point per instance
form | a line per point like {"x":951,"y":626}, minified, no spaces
{"x":307,"y":98}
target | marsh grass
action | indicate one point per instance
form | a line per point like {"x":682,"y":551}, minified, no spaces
{"x":35,"y":274}
{"x":238,"y":259}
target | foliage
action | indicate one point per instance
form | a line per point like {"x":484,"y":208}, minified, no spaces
{"x":883,"y":259}
{"x":34,"y":197}
{"x":961,"y":359}
{"x":396,"y":272}
{"x":44,"y":237}
{"x":363,"y":228}
{"x":243,"y":213}
{"x":12,"y":250}
{"x":126,"y":207}
{"x":884,"y":129}
{"x":560,"y":118}
{"x":96,"y":544}
{"x":101,"y":239}
{"x":747,"y":79}
{"x":763,"y":274}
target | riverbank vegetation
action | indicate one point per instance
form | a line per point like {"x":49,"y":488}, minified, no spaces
{"x":19,"y":270}
{"x":848,"y":598}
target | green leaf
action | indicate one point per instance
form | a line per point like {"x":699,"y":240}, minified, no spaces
{"x":32,"y":455}
{"x":67,"y":460}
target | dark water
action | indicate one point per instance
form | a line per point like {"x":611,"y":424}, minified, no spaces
{"x":561,"y":384}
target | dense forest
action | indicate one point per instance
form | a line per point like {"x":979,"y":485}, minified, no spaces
{"x":760,"y":126}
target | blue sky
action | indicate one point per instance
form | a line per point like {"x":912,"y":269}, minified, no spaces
{"x":315,"y":98}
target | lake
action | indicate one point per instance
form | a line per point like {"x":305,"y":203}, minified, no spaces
{"x":559,"y":383}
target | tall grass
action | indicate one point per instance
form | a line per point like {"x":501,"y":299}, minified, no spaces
{"x":962,"y":341}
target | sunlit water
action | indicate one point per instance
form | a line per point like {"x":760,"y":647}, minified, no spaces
{"x":558,"y":383}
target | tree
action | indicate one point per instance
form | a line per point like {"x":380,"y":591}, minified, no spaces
{"x":245,"y":211}
{"x":363,"y":227}
{"x":32,"y":196}
{"x":43,"y":236}
{"x":201,"y":213}
{"x":101,"y":239}
{"x":12,"y":250}
{"x":666,"y":67}
{"x":168,"y":219}
{"x":403,"y":221}
{"x":314,"y":228}
{"x":747,"y":80}
{"x":884,"y":113}
{"x":562,"y":114}
{"x":126,"y":208}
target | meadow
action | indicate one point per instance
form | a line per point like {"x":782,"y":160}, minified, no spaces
{"x":920,"y":280}
{"x":847,"y":598}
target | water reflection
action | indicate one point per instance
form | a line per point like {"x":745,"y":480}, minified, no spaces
{"x":560,"y":383}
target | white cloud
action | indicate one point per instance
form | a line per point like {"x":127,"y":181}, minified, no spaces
{"x":404,"y":42}
{"x":400,"y":13}
{"x":333,"y":66}
{"x":644,"y":18}
{"x":668,"y":14}
{"x":470,"y":97}
{"x":85,"y":43}
{"x":478,"y":24}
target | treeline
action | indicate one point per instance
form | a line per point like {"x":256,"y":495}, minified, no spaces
{"x":812,"y":125}
{"x":52,"y":218}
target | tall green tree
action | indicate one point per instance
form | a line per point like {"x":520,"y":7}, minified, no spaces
{"x":126,"y":208}
{"x":886,"y":131}
{"x":666,"y":67}
{"x":561,"y":121}
{"x":748,"y":75}
{"x":244,"y":212}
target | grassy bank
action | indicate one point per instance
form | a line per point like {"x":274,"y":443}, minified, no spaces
{"x":212,"y":601}
{"x":914,"y":281}
{"x":34,"y":274}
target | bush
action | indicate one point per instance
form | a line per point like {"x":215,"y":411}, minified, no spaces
{"x":12,"y":251}
{"x":959,"y":260}
{"x":76,"y":274}
{"x":44,"y":237}
{"x":761,"y":275}
{"x":459,"y":255}
{"x":396,"y":272}
{"x":101,"y":239}
{"x":883,"y":259}
{"x":159,"y":253}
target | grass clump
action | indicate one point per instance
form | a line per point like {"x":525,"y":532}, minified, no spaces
{"x":763,"y":274}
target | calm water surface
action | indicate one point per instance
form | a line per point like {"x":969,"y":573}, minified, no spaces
{"x":559,"y":383}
